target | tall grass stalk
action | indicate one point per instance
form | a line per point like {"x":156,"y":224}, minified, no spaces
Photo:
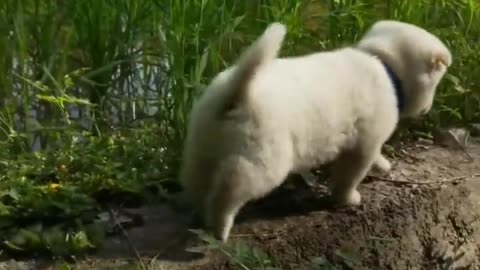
{"x":126,"y":61}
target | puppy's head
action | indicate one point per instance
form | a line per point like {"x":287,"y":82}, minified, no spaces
{"x":417,"y":57}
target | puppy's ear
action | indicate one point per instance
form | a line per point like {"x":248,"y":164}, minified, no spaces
{"x":439,"y":59}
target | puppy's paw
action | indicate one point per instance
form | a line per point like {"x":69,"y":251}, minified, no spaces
{"x":382,"y":164}
{"x":351,"y":198}
{"x":219,"y":233}
{"x":220,"y":226}
{"x":354,"y":198}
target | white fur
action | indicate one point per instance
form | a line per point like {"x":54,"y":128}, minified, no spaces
{"x":266,"y":116}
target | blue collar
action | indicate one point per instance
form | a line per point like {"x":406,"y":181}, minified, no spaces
{"x":397,"y":84}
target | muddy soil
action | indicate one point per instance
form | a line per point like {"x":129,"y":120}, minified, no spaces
{"x":425,"y":214}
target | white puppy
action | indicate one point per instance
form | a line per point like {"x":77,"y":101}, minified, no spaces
{"x":266,"y":116}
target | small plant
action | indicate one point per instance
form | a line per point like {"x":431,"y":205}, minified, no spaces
{"x":240,"y":253}
{"x":251,"y":258}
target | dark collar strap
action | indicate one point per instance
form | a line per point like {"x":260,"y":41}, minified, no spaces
{"x":397,"y":84}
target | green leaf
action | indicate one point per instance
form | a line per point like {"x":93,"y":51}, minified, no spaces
{"x":348,"y":257}
{"x":32,"y":239}
{"x":13,"y":193}
{"x":18,"y":240}
{"x":54,"y":240}
{"x":81,"y":242}
{"x":67,"y":81}
{"x":201,"y":68}
{"x":12,"y":246}
{"x":237,"y":21}
{"x":50,"y":99}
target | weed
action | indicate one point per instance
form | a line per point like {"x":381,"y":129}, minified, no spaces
{"x":251,"y":258}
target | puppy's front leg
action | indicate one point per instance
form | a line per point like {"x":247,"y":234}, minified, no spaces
{"x":349,"y":170}
{"x":382,"y":163}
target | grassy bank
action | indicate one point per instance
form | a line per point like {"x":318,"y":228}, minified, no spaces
{"x":94,"y":95}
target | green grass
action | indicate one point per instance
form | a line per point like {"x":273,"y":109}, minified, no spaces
{"x":248,"y":257}
{"x":134,"y":67}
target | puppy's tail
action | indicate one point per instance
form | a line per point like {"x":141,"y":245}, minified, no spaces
{"x":263,"y":50}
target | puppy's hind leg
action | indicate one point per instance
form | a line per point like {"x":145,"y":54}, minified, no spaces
{"x":382,"y":164}
{"x":222,"y":206}
{"x":236,"y":183}
{"x":349,"y":170}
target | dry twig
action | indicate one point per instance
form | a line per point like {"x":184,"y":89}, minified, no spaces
{"x":442,"y":181}
{"x":125,"y":234}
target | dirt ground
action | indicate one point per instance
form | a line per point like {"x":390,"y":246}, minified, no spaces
{"x":425,"y":214}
